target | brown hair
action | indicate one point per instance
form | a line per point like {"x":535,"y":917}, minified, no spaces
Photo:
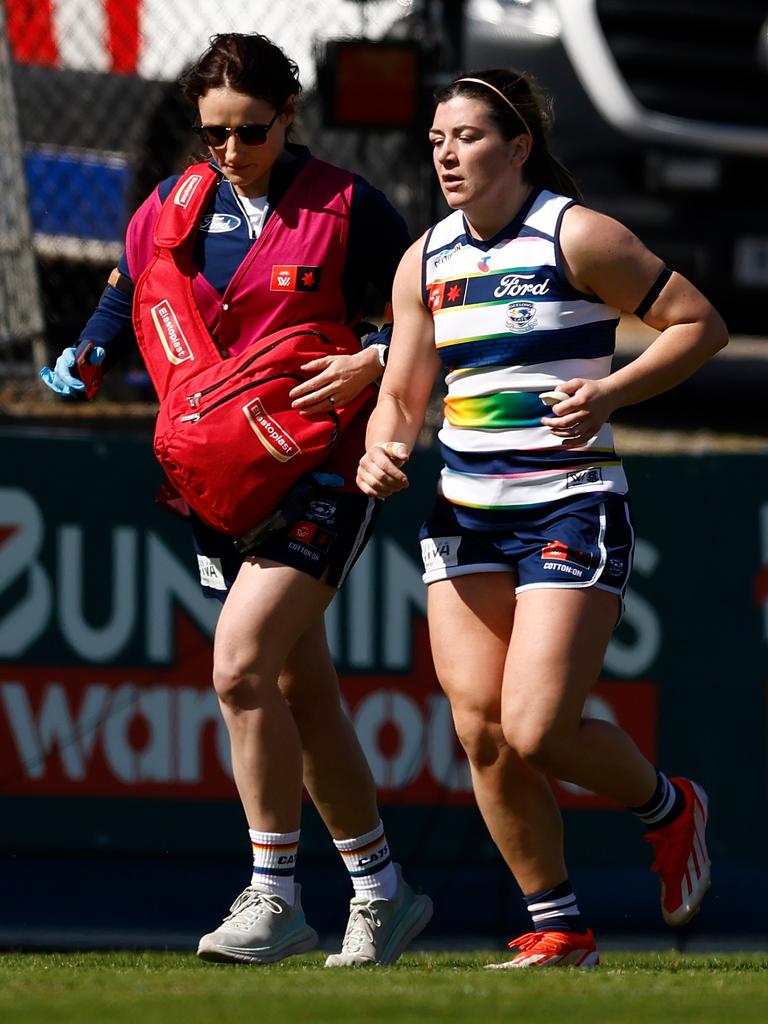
{"x":248,"y":63}
{"x":517,"y":104}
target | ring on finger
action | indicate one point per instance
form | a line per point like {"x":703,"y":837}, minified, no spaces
{"x":331,"y":399}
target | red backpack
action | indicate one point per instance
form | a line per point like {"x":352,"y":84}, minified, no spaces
{"x":228,"y":439}
{"x":226,"y":435}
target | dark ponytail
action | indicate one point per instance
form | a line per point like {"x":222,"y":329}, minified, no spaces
{"x":521,"y":107}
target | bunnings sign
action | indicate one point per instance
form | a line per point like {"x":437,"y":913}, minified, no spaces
{"x":105,"y":639}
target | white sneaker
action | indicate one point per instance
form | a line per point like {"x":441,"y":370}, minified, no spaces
{"x":379,"y":930}
{"x":259,"y":929}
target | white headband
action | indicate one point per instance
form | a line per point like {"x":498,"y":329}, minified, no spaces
{"x":480,"y":81}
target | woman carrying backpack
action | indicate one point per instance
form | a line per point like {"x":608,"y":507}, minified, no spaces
{"x":283,"y":239}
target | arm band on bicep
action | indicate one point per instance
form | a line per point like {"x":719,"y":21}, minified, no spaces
{"x":653,"y":292}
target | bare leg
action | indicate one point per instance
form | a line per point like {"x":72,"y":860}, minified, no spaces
{"x":268,"y":608}
{"x":555,"y":656}
{"x":336,"y":773}
{"x":514,"y":798}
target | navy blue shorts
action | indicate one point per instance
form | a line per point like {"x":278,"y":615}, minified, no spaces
{"x":588,"y":543}
{"x":325,"y":541}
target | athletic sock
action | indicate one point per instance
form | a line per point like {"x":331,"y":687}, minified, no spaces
{"x":369,"y":864}
{"x":666,"y":804}
{"x":274,"y":862}
{"x":555,"y":910}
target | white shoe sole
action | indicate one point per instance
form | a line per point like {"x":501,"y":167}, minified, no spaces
{"x":419,"y":916}
{"x":220,"y":954}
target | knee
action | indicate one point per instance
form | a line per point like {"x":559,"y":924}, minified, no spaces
{"x":239,"y":687}
{"x":535,"y":743}
{"x":480,"y":736}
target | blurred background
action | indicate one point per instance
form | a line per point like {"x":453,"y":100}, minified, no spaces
{"x":119,"y":822}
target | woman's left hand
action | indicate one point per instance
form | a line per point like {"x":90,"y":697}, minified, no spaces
{"x":578,"y":418}
{"x":335,"y":380}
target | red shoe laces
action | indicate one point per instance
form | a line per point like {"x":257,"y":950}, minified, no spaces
{"x":671,"y":852}
{"x":547,"y":942}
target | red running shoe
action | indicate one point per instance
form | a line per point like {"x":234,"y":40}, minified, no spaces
{"x":681,"y":857}
{"x":552,"y":949}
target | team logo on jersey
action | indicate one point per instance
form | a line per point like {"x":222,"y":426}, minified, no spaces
{"x":175,"y":345}
{"x":443,"y":294}
{"x":616,"y":566}
{"x":218,"y":223}
{"x":279,"y":444}
{"x":187,"y":190}
{"x":295,"y":279}
{"x":325,"y":511}
{"x":521,"y":317}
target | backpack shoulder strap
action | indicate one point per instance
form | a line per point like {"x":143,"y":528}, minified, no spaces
{"x":181,"y":212}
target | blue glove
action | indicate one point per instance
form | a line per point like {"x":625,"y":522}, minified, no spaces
{"x":61,"y":380}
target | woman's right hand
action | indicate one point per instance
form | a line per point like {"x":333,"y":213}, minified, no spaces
{"x":61,"y":379}
{"x":379,"y":473}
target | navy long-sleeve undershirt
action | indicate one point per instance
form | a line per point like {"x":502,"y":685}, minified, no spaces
{"x":378,"y":236}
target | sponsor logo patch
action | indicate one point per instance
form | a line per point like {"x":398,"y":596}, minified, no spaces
{"x":444,"y":294}
{"x":218,"y":223}
{"x":564,"y":567}
{"x":295,"y":279}
{"x":211,"y":574}
{"x":170,"y":333}
{"x":280,"y":445}
{"x":309,"y":533}
{"x":521,"y":317}
{"x":303,"y":531}
{"x":445,"y":256}
{"x":556,"y":549}
{"x":440,"y":552}
{"x":593,"y":475}
{"x":520,"y":285}
{"x":187,"y":190}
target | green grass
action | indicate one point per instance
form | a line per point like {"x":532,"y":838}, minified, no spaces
{"x":172,"y":988}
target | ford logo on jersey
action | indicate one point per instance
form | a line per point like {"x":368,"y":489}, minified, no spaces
{"x":218,"y":223}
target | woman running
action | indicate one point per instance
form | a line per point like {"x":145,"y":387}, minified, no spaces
{"x":517,"y":294}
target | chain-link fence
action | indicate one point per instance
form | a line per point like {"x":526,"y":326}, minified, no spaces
{"x":99,"y":121}
{"x":21,"y":325}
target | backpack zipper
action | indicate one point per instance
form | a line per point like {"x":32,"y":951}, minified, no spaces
{"x":194,"y":399}
{"x":193,"y":417}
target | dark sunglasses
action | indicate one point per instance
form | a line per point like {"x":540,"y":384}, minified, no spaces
{"x":215,"y":135}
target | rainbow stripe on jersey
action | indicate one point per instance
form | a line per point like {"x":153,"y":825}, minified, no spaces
{"x":509,"y":326}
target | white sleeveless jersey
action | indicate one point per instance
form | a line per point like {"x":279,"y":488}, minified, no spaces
{"x":508,"y":326}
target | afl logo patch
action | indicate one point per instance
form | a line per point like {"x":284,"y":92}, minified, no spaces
{"x":295,"y":279}
{"x":217,"y":223}
{"x":521,"y":317}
